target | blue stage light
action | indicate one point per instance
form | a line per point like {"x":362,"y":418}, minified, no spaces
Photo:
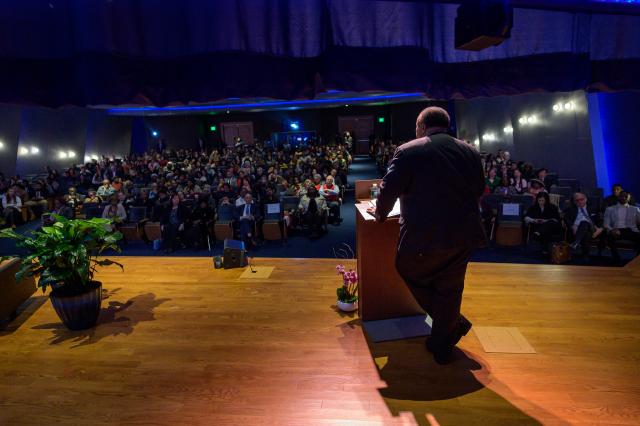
{"x":154,"y":134}
{"x":294,"y":125}
{"x":298,"y":103}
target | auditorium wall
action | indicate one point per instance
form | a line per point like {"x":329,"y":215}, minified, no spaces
{"x":33,"y":138}
{"x":184,"y":131}
{"x":9,"y":133}
{"x":558,"y":140}
{"x":616,"y":128}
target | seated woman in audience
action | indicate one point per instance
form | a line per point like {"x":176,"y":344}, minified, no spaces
{"x":172,"y":223}
{"x":92,"y":198}
{"x":492,"y":180}
{"x":115,"y":211}
{"x":544,"y":220}
{"x":518,"y":184}
{"x":199,"y":219}
{"x":504,"y":188}
{"x":313,"y":208}
{"x":11,"y":208}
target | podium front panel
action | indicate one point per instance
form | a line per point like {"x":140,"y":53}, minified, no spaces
{"x":382,"y":292}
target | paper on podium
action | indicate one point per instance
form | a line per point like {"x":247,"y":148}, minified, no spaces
{"x":395,"y":211}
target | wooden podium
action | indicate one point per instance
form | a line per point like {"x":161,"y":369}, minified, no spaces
{"x":382,"y":293}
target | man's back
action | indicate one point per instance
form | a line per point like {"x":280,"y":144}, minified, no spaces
{"x":439,"y":181}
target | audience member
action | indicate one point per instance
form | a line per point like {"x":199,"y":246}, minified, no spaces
{"x":583,"y":223}
{"x":621,"y":222}
{"x":544,"y":220}
{"x":11,"y":208}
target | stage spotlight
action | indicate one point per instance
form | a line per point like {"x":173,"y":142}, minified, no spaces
{"x":35,"y":150}
{"x":522,"y":120}
{"x":71,"y":154}
{"x":531,"y":119}
{"x":489,"y":137}
{"x":62,"y":154}
{"x":508,"y":129}
{"x":1,"y":144}
{"x":23,"y":150}
{"x":568,"y":106}
{"x":294,"y":125}
{"x":476,"y":142}
{"x":557,"y":107}
{"x":154,"y":133}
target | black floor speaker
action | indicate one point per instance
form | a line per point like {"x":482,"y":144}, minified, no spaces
{"x":234,"y":254}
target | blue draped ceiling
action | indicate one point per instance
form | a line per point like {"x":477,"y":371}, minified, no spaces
{"x":153,"y":52}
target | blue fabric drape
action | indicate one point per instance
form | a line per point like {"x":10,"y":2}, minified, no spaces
{"x":56,"y":52}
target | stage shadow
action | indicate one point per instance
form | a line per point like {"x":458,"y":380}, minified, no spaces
{"x":25,"y":311}
{"x":451,"y":393}
{"x":116,"y":318}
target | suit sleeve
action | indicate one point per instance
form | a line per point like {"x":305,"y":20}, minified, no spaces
{"x":393,"y":185}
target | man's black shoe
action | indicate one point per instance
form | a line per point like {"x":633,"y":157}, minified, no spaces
{"x":440,"y":355}
{"x":464,"y":325}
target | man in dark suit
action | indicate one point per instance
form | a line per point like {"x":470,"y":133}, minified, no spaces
{"x":247,"y":214}
{"x":584,"y":223}
{"x":439,"y":181}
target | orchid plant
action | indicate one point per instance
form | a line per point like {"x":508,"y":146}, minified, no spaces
{"x":348,"y":293}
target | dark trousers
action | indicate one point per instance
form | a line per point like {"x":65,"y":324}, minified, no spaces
{"x":625,"y":234}
{"x":170,"y":235}
{"x":547,"y":232}
{"x":583,"y":236}
{"x":436,"y":279}
{"x":12,"y":216}
{"x":247,"y":228}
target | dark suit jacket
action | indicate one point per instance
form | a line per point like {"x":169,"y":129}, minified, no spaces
{"x":439,"y":181}
{"x":550,"y":212}
{"x":572,"y":212}
{"x":183,"y":215}
{"x":255,"y":211}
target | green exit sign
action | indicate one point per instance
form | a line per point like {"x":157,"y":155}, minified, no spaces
{"x":213,"y":128}
{"x":380,"y":119}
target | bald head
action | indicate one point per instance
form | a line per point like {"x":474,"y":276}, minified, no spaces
{"x":431,"y":118}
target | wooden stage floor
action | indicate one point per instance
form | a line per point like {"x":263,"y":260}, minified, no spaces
{"x":180,"y":343}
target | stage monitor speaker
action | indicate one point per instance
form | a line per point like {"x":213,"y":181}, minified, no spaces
{"x":234,"y":254}
{"x":483,"y":24}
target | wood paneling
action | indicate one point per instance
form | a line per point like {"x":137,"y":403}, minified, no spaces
{"x":182,"y":343}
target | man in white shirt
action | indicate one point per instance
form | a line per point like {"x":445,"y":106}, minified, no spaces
{"x":621,"y":222}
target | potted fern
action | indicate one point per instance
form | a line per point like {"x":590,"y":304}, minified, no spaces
{"x":348,"y":292}
{"x":64,"y":257}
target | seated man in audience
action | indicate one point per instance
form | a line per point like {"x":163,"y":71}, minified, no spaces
{"x":37,"y":203}
{"x":106,"y":190}
{"x":583,"y":223}
{"x":313,"y":207}
{"x":160,"y":206}
{"x":614,"y":198}
{"x":247,"y":215}
{"x":331,"y":194}
{"x":621,"y":222}
{"x":544,"y":219}
{"x":72,"y":197}
{"x":60,"y":207}
{"x":173,"y":222}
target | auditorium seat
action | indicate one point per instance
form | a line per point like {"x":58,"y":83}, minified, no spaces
{"x":574,"y":184}
{"x":152,"y":231}
{"x":133,"y":229}
{"x":565,"y":191}
{"x":273,"y":228}
{"x":223,"y":227}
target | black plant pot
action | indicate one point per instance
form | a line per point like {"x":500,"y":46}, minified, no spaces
{"x":78,"y":311}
